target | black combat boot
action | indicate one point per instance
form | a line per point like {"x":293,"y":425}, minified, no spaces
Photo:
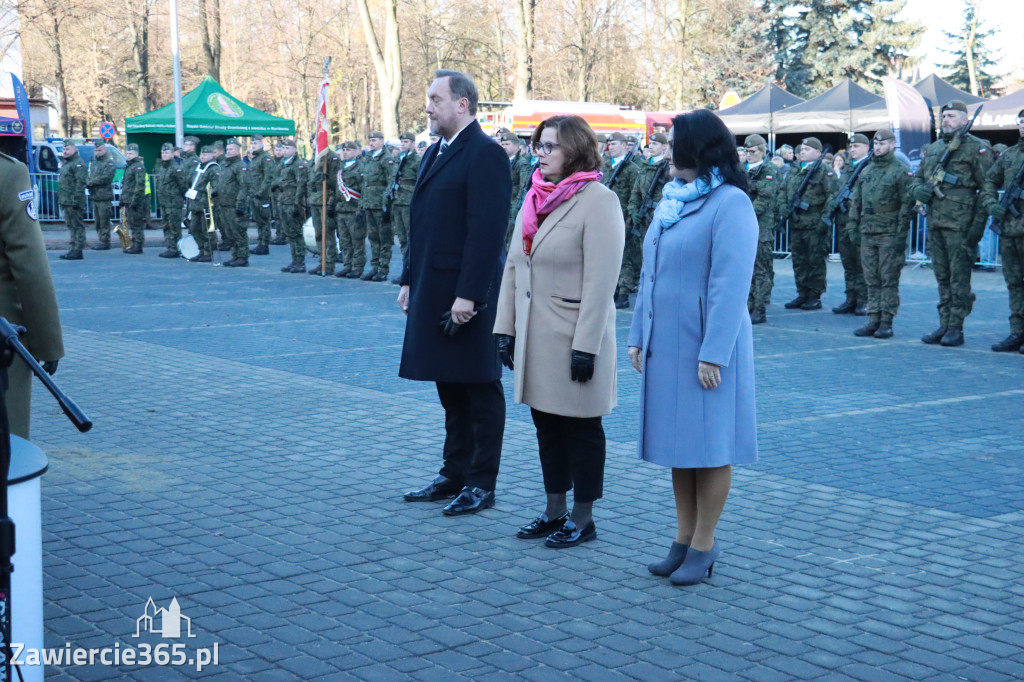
{"x":278,"y":241}
{"x":757,"y":316}
{"x":811,"y":304}
{"x":73,"y":254}
{"x":861,"y":310}
{"x":295,"y":266}
{"x":935,"y":337}
{"x":884,"y":329}
{"x":260,"y":251}
{"x":1009,"y":344}
{"x":796,"y":302}
{"x":169,"y":253}
{"x":870,"y":328}
{"x":621,"y":300}
{"x":954,"y":336}
{"x":846,"y":307}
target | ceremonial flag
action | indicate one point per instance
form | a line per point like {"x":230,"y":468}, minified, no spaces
{"x":322,"y":126}
{"x":909,"y":116}
{"x":25,"y":114}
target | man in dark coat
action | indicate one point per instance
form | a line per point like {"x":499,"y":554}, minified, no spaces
{"x":452,"y":271}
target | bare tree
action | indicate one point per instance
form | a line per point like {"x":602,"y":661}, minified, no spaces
{"x":140,"y":51}
{"x":525,"y":43}
{"x":209,"y":27}
{"x":387,"y":62}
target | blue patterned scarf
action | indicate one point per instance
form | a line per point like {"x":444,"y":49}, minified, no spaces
{"x":677,"y":193}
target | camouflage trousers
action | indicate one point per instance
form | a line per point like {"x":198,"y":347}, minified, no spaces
{"x":764,"y":277}
{"x":197,"y":227}
{"x":234,"y":231}
{"x":260,"y":209}
{"x":291,"y":226}
{"x":352,"y":236}
{"x":138,"y":218}
{"x":882,"y":256}
{"x":400,"y":223}
{"x":952,"y":261}
{"x":853,"y":274}
{"x":1011,"y":250}
{"x":332,"y":241}
{"x":73,"y":217}
{"x":101,"y":211}
{"x":172,"y":226}
{"x":632,"y":259}
{"x":381,"y":240}
{"x":809,"y":250}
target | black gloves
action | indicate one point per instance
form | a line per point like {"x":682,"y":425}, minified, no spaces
{"x":448,"y":326}
{"x":581,"y":366}
{"x":50,"y":367}
{"x":507,"y":350}
{"x":331,"y":211}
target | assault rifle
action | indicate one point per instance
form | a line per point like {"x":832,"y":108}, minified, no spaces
{"x":842,"y":199}
{"x":939,"y":175}
{"x":389,"y":198}
{"x":648,"y":205}
{"x":798,"y":205}
{"x":1010,"y":197}
{"x":628,"y":158}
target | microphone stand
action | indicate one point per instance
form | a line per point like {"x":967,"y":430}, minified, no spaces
{"x":9,"y":347}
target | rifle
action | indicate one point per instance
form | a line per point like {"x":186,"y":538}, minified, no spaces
{"x":389,"y":198}
{"x":622,"y":164}
{"x":842,"y":200}
{"x":1009,"y":200}
{"x":648,"y":204}
{"x":798,"y":205}
{"x":939,"y":175}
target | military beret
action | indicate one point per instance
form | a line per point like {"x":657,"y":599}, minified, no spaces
{"x":616,"y":137}
{"x":955,"y":105}
{"x":350,"y":145}
{"x":602,"y":138}
{"x":421,"y":145}
{"x":812,"y":142}
{"x":407,"y":136}
{"x":662,"y":138}
{"x":860,"y":138}
{"x":132,"y":147}
{"x":255,"y":136}
{"x":99,"y":142}
{"x":68,"y":142}
{"x":191,"y":138}
{"x":287,"y":142}
{"x":999,"y":148}
{"x":885,"y":134}
{"x":233,"y":141}
{"x":376,"y":134}
{"x":1020,"y":114}
{"x":755,"y":141}
{"x":206,"y":149}
{"x":785,"y":147}
{"x":218,"y":144}
{"x":167,"y":147}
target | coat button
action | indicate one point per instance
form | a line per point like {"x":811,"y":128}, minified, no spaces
{"x":650,"y":314}
{"x":654,"y":241}
{"x":527,"y":294}
{"x":648,"y":352}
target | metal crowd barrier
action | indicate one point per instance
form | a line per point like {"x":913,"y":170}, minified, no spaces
{"x":44,"y":185}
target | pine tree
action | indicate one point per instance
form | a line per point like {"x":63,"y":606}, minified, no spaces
{"x":972,"y":60}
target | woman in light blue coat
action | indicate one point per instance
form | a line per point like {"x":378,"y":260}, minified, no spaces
{"x":691,"y":337}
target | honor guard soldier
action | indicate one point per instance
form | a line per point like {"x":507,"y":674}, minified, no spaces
{"x":324,"y":174}
{"x":170,"y":193}
{"x":189,"y":156}
{"x":878,"y":222}
{"x":231,"y":204}
{"x":378,"y":168}
{"x":290,"y":185}
{"x":651,"y":177}
{"x":274,"y":170}
{"x":259,"y":176}
{"x":134,"y":200}
{"x":522,"y":181}
{"x":1007,"y":174}
{"x":618,"y":175}
{"x":99,"y":185}
{"x":202,"y":182}
{"x":849,"y":252}
{"x":351,"y":227}
{"x":407,"y":167}
{"x":71,"y":197}
{"x":765,"y":182}
{"x":956,"y":219}
{"x":517,"y":160}
{"x":809,"y":237}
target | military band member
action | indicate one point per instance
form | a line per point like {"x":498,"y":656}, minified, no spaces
{"x":71,"y":197}
{"x":765,"y":183}
{"x":134,"y":200}
{"x":290,"y":185}
{"x":351,"y":226}
{"x":259,"y":176}
{"x":324,"y":173}
{"x":170,"y":193}
{"x":230,"y":204}
{"x":849,"y":253}
{"x":651,"y":172}
{"x":956,"y":219}
{"x":100,"y":186}
{"x":378,"y":169}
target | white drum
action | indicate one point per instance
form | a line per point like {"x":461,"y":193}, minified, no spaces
{"x":309,"y":234}
{"x":187,"y":247}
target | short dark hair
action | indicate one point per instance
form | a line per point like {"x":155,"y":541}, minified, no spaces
{"x":461,"y":86}
{"x":578,"y":142}
{"x":700,"y":140}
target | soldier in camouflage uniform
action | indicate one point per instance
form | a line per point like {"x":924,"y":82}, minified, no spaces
{"x":202,"y":180}
{"x":765,"y":182}
{"x":351,"y":228}
{"x":1011,"y":241}
{"x":879,"y":220}
{"x":651,"y":176}
{"x":273,"y":170}
{"x":189,"y":158}
{"x":71,"y":197}
{"x":809,"y":237}
{"x":407,"y":167}
{"x":620,"y":179}
{"x":378,"y":169}
{"x":230,"y":204}
{"x":956,"y":220}
{"x":523,"y":184}
{"x":170,"y":193}
{"x":99,"y":184}
{"x":517,"y":160}
{"x":849,"y":252}
{"x":259,"y":176}
{"x":290,"y":185}
{"x":134,"y":200}
{"x":325,"y":172}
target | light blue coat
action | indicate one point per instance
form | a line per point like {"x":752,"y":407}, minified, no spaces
{"x":692,"y":306}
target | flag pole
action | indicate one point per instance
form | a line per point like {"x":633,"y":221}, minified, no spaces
{"x":323,"y":189}
{"x":179,"y":128}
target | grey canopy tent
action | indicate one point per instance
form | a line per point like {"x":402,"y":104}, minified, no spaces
{"x":843,"y":109}
{"x":1000,"y":114}
{"x":755,"y":114}
{"x":937,"y":92}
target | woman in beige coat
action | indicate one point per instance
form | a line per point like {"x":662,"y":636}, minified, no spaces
{"x":556,"y":321}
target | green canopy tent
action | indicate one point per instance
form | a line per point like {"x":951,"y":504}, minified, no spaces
{"x":210,"y":113}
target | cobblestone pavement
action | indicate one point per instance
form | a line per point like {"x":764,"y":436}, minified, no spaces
{"x":253,"y":439}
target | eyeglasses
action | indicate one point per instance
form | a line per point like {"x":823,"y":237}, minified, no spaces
{"x":546,"y":147}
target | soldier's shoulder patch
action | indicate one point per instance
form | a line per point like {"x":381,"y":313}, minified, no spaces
{"x":30,"y":209}
{"x":769,"y":177}
{"x":831,"y":175}
{"x":983,"y":150}
{"x":26,"y":195}
{"x":78,"y":165}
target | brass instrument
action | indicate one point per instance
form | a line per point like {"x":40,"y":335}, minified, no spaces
{"x":122,"y":231}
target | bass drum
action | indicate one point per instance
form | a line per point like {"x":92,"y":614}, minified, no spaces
{"x":187,"y":247}
{"x":309,"y":233}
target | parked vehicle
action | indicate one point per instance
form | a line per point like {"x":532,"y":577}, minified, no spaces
{"x":48,"y":155}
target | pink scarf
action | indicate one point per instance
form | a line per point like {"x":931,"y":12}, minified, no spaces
{"x":544,"y":197}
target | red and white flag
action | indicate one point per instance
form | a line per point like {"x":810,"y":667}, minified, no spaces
{"x":322,"y":126}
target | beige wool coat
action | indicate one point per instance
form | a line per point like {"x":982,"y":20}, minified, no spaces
{"x":559,"y":299}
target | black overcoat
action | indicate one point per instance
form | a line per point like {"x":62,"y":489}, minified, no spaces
{"x":457,"y":224}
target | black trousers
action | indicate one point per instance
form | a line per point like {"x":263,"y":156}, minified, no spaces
{"x":572,"y":451}
{"x":474,"y":422}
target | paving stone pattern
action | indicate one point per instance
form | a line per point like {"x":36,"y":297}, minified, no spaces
{"x":253,"y":439}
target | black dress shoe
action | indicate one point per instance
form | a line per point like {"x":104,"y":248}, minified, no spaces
{"x":440,"y":488}
{"x":470,"y":501}
{"x":542,"y":527}
{"x":846,"y":307}
{"x":795,"y":303}
{"x":812,"y":304}
{"x":260,"y":251}
{"x":570,"y":536}
{"x":1009,"y":344}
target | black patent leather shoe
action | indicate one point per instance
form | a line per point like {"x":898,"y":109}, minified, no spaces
{"x":570,"y":535}
{"x":542,"y":527}
{"x":441,"y":488}
{"x":470,"y":501}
